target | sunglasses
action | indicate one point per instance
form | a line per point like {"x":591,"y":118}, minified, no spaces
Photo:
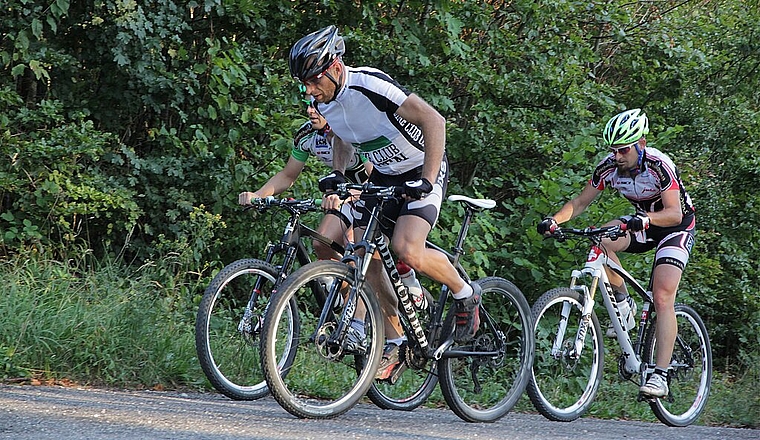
{"x":315,"y":79}
{"x":622,"y":150}
{"x":304,"y":97}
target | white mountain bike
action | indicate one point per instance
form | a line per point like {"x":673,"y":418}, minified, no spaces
{"x":569,"y":359}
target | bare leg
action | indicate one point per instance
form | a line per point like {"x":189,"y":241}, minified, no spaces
{"x":612,"y":247}
{"x":666,"y":279}
{"x":381,"y":285}
{"x":383,"y":289}
{"x":409,"y":244}
{"x":333,"y":228}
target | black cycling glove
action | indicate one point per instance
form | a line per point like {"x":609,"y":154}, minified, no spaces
{"x":635,"y":223}
{"x":547,"y":226}
{"x":416,"y":189}
{"x":331,"y":181}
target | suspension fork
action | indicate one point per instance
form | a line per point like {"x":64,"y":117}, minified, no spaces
{"x":290,"y":247}
{"x":588,"y":308}
{"x":358,"y":258}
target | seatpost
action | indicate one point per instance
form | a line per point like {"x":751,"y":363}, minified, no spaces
{"x":458,"y":250}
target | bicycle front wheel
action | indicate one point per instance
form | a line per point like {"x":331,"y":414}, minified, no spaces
{"x":564,"y":382}
{"x":227,"y":328}
{"x":690,"y":371}
{"x":328,"y":375}
{"x":480,"y":387}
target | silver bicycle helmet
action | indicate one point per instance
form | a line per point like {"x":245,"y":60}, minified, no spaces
{"x":314,"y":53}
{"x":626,"y":127}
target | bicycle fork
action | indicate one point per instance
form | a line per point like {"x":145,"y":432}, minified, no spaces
{"x":588,"y":307}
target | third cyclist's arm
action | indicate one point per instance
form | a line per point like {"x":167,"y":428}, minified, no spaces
{"x":671,"y":214}
{"x":343,"y":152}
{"x":276,"y":184}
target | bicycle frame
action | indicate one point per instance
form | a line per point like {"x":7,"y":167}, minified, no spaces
{"x":359,"y":256}
{"x":594,"y":269}
{"x":290,"y":243}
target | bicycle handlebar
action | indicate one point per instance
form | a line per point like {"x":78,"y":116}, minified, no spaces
{"x":290,"y":204}
{"x":612,"y":232}
{"x":381,"y":192}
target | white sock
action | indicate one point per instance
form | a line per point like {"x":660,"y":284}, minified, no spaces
{"x":466,"y":292}
{"x":397,"y":341}
{"x":357,"y":324}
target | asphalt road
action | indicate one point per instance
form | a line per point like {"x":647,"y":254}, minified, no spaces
{"x":57,"y":413}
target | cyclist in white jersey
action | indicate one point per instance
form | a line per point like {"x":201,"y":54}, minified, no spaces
{"x":404,"y":138}
{"x":664,"y":221}
{"x":314,"y":138}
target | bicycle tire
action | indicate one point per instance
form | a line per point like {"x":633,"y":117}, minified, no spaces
{"x":321,"y":382}
{"x":690,"y":371}
{"x":227,"y":343}
{"x":416,"y":383}
{"x":560,"y":388}
{"x":484,"y":389}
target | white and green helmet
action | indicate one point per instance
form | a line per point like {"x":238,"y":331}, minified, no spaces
{"x":626,"y":127}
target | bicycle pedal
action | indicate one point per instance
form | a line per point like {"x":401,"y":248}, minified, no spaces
{"x":396,"y":373}
{"x":646,"y":398}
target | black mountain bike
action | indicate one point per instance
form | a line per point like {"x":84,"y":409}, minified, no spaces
{"x":480,"y":380}
{"x":231,"y":311}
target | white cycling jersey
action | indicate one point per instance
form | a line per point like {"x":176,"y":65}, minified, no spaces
{"x":644,"y":189}
{"x":309,"y":141}
{"x":364,"y":114}
{"x":658,"y":173}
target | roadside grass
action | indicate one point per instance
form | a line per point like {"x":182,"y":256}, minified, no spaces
{"x":103,"y":326}
{"x":113,"y":326}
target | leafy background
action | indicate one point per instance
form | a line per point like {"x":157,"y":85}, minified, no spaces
{"x":127,"y":129}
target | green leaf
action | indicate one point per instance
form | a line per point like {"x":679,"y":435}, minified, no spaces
{"x":37,"y":28}
{"x":18,"y":70}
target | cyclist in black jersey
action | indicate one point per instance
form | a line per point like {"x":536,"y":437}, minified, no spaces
{"x":404,"y":138}
{"x":315,"y":138}
{"x":664,"y":220}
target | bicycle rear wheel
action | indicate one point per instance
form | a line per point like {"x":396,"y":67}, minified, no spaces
{"x":416,"y":383}
{"x":324,"y":380}
{"x":563,"y":386}
{"x":690,"y":371}
{"x":226,"y":332}
{"x":484,"y":388}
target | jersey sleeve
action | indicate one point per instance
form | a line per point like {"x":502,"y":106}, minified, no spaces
{"x":667,"y":176}
{"x":602,"y":172}
{"x":301,"y":139}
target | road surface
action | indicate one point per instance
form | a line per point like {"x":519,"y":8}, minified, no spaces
{"x":75,"y":413}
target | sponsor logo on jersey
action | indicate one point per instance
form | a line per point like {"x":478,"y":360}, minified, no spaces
{"x":387,"y":155}
{"x":413,"y":132}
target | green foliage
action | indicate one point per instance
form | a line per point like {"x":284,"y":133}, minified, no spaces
{"x":61,"y":179}
{"x":129,"y":128}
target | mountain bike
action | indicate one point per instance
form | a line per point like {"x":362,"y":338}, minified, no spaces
{"x":231,"y":311}
{"x":569,"y":361}
{"x":480,"y":380}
